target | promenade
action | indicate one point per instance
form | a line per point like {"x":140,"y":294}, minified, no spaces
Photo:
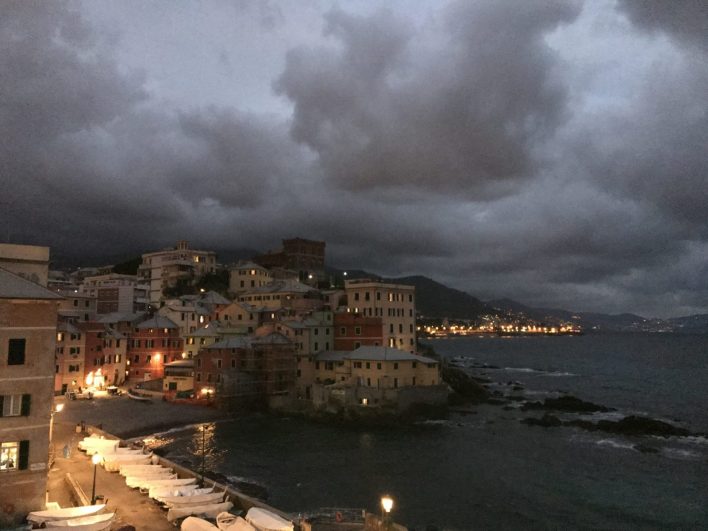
{"x":121,"y":416}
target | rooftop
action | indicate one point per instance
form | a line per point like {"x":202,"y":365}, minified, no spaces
{"x":372,"y":354}
{"x":157,"y":321}
{"x":15,"y":287}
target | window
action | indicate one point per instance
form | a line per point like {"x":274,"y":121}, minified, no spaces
{"x":233,"y":363}
{"x":356,"y":296}
{"x":317,"y":347}
{"x":199,"y":376}
{"x":368,"y":365}
{"x":357,"y":330}
{"x":148,"y":358}
{"x":357,"y":344}
{"x":317,"y":331}
{"x":395,"y":366}
{"x":415,"y":364}
{"x":357,"y":365}
{"x":10,"y":455}
{"x":378,"y":366}
{"x":400,"y":328}
{"x":136,"y":359}
{"x":16,"y":352}
{"x":14,"y":405}
{"x":218,"y":364}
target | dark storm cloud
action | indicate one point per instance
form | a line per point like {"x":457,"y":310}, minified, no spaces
{"x":685,"y":20}
{"x":91,"y":159}
{"x":456,"y":107}
{"x":527,"y":149}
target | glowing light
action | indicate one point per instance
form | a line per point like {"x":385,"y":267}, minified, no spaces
{"x":96,"y":459}
{"x":59,"y":407}
{"x":89,"y":378}
{"x":387,"y":503}
{"x":157,"y":357}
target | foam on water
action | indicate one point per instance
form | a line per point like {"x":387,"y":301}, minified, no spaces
{"x":615,"y":443}
{"x":540,"y":372}
{"x":681,"y":453}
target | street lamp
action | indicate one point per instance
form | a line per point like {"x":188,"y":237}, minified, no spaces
{"x":387,"y":505}
{"x":96,"y":459}
{"x":56,"y":409}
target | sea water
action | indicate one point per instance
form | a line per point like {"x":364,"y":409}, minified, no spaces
{"x":486,"y":470}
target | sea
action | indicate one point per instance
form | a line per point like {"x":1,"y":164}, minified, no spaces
{"x":484,"y":469}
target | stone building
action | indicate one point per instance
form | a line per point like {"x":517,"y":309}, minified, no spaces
{"x":28,"y":328}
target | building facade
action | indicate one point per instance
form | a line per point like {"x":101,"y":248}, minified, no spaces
{"x":167,"y":268}
{"x":153,"y":343}
{"x":117,"y":293}
{"x":28,"y":328}
{"x":393,"y":303}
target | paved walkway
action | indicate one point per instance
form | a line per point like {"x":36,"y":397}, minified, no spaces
{"x":130,"y":506}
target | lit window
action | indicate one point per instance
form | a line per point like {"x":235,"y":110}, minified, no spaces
{"x":9,"y":455}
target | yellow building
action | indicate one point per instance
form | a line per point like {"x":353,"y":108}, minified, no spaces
{"x":248,"y":275}
{"x":179,"y":376}
{"x":393,"y":303}
{"x":376,"y":367}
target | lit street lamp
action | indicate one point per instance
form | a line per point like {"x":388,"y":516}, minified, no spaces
{"x":96,"y":459}
{"x":387,"y":505}
{"x":56,"y":409}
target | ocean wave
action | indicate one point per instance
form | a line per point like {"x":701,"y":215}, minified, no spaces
{"x":681,"y":453}
{"x":614,"y":443}
{"x":529,"y":370}
{"x":240,"y":479}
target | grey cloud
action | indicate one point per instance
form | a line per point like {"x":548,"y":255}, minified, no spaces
{"x":685,"y":20}
{"x":458,"y":109}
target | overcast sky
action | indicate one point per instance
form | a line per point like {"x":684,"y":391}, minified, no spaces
{"x":555,"y":152}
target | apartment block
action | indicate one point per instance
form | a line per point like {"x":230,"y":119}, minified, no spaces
{"x":247,"y":275}
{"x":117,"y":293}
{"x":28,"y":328}
{"x":393,"y":303}
{"x":353,"y":330}
{"x":168,"y":268}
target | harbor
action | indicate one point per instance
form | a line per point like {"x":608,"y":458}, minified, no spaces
{"x":115,"y":483}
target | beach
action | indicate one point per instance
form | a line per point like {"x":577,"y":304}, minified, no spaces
{"x":127,"y":418}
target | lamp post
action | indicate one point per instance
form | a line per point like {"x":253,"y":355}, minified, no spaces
{"x":203,"y":451}
{"x":386,"y":505}
{"x":96,"y":459}
{"x":56,"y":409}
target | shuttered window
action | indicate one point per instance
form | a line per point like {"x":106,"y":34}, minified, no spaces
{"x":14,"y":455}
{"x":15,"y":405}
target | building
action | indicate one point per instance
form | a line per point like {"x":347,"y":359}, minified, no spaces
{"x":283,"y":294}
{"x":28,"y":261}
{"x":393,"y":303}
{"x":179,"y":377}
{"x":153,"y":343}
{"x":70,"y":361}
{"x":117,"y":293}
{"x":353,"y":330}
{"x":249,"y":368}
{"x":305,"y":257}
{"x":172,"y":267}
{"x":377,"y":367}
{"x":28,"y":328}
{"x":77,"y":306}
{"x":246,"y":275}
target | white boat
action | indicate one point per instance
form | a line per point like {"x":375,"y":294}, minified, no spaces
{"x":230,"y":522}
{"x":192,"y":523}
{"x":149,"y":473}
{"x":264,"y":520}
{"x":199,"y":499}
{"x":176,"y":482}
{"x":210,"y":510}
{"x":97,"y":522}
{"x":39,"y":517}
{"x":94,"y":445}
{"x":143,"y":482}
{"x":160,"y":493}
{"x":129,"y":451}
{"x":132,"y":394}
{"x":114,"y":466}
{"x":134,"y":470}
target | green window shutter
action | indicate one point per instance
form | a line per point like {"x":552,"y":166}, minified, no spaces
{"x":2,"y":399}
{"x":26,"y":400}
{"x":24,"y":455}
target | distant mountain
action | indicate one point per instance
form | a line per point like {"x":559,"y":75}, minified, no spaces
{"x":438,"y":301}
{"x":588,"y":320}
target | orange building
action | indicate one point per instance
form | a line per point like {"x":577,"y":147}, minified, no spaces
{"x":153,"y":343}
{"x":353,"y":330}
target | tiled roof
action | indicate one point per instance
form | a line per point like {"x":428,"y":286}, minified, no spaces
{"x":157,"y":321}
{"x":373,"y":354}
{"x":231,"y":342}
{"x":15,"y":287}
